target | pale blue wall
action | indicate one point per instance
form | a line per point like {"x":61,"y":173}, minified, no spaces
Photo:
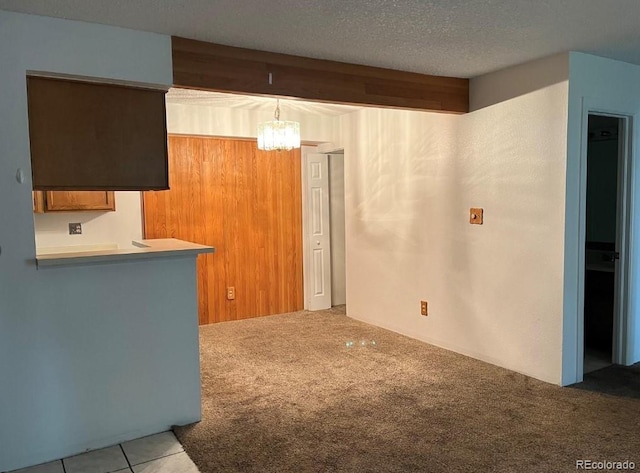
{"x":89,"y":356}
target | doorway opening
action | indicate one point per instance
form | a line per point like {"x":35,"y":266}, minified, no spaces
{"x":324,"y":229}
{"x":337,"y":222}
{"x":605,"y":243}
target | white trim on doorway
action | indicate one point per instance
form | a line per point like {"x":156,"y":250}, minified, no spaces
{"x":314,"y":301}
{"x":625,"y":294}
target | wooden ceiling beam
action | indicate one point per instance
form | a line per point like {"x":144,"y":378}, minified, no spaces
{"x":209,"y":66}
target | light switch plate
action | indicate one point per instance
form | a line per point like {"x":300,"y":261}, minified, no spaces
{"x":475,"y":216}
{"x":424,"y":308}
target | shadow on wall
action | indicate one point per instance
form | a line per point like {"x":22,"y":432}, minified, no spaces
{"x":516,"y":81}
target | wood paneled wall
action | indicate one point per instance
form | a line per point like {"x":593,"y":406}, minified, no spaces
{"x":247,"y":204}
{"x":209,"y":66}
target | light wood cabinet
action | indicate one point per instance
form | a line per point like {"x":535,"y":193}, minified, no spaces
{"x":68,"y":201}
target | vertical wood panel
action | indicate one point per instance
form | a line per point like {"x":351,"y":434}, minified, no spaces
{"x":245,"y":202}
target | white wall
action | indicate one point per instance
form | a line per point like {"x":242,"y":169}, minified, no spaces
{"x":337,"y":219}
{"x":603,"y":85}
{"x":232,"y":122}
{"x":494,"y":291}
{"x":98,"y":228}
{"x":92,"y":355}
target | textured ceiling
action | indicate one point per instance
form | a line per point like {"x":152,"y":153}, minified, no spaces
{"x":461,"y":38}
{"x":254,"y":102}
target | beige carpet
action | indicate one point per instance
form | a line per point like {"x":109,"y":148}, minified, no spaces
{"x":284,"y":394}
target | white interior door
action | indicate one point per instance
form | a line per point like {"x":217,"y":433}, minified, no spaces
{"x":318,"y":234}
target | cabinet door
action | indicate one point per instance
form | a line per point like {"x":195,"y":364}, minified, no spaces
{"x":38,"y":202}
{"x":59,"y":201}
{"x":96,"y":136}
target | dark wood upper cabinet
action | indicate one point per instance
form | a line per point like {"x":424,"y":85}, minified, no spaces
{"x":96,"y":136}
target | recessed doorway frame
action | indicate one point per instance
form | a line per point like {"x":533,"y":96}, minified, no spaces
{"x":623,"y":289}
{"x":326,"y":149}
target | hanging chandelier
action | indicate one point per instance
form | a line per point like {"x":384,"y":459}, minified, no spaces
{"x":278,"y":135}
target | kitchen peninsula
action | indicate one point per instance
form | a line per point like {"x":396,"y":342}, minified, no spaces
{"x":121,"y":337}
{"x":141,"y":249}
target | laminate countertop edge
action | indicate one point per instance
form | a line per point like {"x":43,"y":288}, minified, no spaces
{"x":141,"y":250}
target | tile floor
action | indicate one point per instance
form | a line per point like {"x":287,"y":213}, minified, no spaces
{"x":595,"y":360}
{"x":160,"y":453}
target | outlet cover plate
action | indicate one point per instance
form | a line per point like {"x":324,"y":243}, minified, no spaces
{"x":75,"y":229}
{"x":476,"y":216}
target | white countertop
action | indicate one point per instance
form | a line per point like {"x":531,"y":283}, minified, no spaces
{"x":141,"y":249}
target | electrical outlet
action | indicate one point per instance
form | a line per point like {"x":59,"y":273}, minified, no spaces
{"x":75,"y":229}
{"x":231,"y":293}
{"x":424,"y":308}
